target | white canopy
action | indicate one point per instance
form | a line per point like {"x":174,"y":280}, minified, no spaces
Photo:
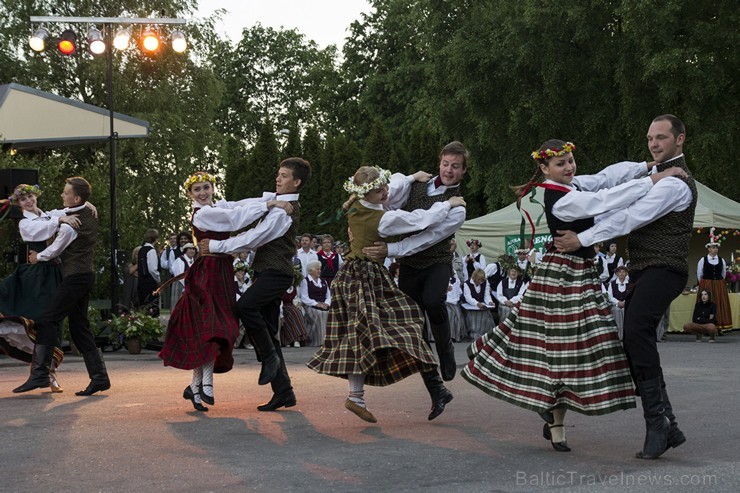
{"x":33,"y":119}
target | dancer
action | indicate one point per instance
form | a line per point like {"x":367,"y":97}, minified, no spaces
{"x":203,"y":328}
{"x":76,"y":248}
{"x":558,"y":349}
{"x":374,"y":333}
{"x":426,"y":259}
{"x":660,"y":225}
{"x":273,"y":241}
{"x":24,"y":293}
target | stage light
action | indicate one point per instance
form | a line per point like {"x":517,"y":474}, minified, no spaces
{"x":178,"y":41}
{"x":67,"y":43}
{"x":39,"y":38}
{"x":95,"y":42}
{"x":150,"y":41}
{"x":122,"y":39}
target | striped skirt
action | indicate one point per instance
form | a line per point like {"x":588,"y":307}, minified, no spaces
{"x":720,"y":298}
{"x":458,"y":330}
{"x":373,"y":329}
{"x":293,"y":326}
{"x":316,"y":321}
{"x":558,"y":347}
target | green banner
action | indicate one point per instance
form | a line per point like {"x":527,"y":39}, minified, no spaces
{"x":513,"y":242}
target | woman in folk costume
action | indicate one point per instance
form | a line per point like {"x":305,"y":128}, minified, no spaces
{"x":292,"y":323}
{"x":374,"y":334}
{"x":203,"y":327}
{"x":558,"y":349}
{"x":617,"y":292}
{"x":330,"y":260}
{"x":711,"y":271}
{"x":24,"y":293}
{"x":613,"y":259}
{"x":477,"y":303}
{"x":315,"y":298}
{"x":473,"y":260}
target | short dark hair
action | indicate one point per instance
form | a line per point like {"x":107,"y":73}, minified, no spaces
{"x":307,"y":235}
{"x":80,"y":187}
{"x":457,"y":148}
{"x":677,"y":126}
{"x":300,"y":167}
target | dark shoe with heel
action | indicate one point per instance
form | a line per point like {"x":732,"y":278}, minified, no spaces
{"x":208,"y":399}
{"x":286,"y":399}
{"x":97,"y":372}
{"x":547,"y":435}
{"x":657,"y":424}
{"x":438,"y":392}
{"x":188,"y":395}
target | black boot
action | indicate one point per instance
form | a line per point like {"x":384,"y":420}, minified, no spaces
{"x":40,"y":368}
{"x":675,"y":435}
{"x":99,"y":380}
{"x":447,"y":365}
{"x":656,"y":422}
{"x":266,"y":350}
{"x":438,"y":392}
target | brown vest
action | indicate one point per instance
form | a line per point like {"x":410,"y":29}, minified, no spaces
{"x":665,"y":241}
{"x":278,"y":254}
{"x":77,"y":258}
{"x":363,"y":223}
{"x":439,"y":253}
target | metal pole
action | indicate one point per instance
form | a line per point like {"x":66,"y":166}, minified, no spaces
{"x":112,"y":157}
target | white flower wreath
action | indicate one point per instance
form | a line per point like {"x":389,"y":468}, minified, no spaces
{"x":361,"y":190}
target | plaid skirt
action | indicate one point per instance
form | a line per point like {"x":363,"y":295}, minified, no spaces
{"x":203,"y":325}
{"x":558,"y":347}
{"x":373,"y":329}
{"x":293,"y":327}
{"x":18,"y":337}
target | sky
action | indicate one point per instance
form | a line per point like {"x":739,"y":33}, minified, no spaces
{"x":324,"y":21}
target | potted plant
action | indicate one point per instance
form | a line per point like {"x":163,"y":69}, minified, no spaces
{"x":136,"y":329}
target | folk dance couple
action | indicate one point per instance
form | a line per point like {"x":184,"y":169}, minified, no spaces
{"x":559,"y":349}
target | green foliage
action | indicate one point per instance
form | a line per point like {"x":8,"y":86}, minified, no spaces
{"x":135,"y":325}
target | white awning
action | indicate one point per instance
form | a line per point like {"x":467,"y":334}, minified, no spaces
{"x":33,"y":119}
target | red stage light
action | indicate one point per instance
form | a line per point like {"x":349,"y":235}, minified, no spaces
{"x":67,"y":43}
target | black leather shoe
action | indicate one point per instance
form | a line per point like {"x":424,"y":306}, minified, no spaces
{"x":188,"y":395}
{"x":286,"y":399}
{"x":439,"y":403}
{"x":208,"y":399}
{"x":547,"y":435}
{"x":94,"y":387}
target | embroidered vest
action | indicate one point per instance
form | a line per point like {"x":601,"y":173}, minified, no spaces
{"x":665,"y":241}
{"x":439,"y":253}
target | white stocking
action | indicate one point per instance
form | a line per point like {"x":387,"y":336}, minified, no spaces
{"x":558,"y":432}
{"x":208,"y":378}
{"x":195,"y":383}
{"x":356,"y":388}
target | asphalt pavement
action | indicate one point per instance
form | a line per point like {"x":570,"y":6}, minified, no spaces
{"x":142,"y":436}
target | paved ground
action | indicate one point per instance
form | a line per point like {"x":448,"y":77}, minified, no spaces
{"x":142,"y":436}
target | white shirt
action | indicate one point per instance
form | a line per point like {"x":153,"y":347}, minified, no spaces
{"x":621,"y":287}
{"x":712,"y":260}
{"x":305,"y":257}
{"x":151,"y":262}
{"x":668,"y":195}
{"x":398,"y":192}
{"x":610,"y":260}
{"x":166,"y":258}
{"x":510,"y":285}
{"x":471,"y":303}
{"x":41,"y":227}
{"x":273,"y":225}
{"x":602,"y":267}
{"x":181,"y":265}
{"x":231,"y":216}
{"x":303,"y":292}
{"x":477,"y":264}
{"x":66,"y":235}
{"x":454,"y":293}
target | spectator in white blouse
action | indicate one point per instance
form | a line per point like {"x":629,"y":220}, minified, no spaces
{"x":617,"y":291}
{"x":316,"y":298}
{"x":477,"y":303}
{"x":473,"y":260}
{"x":613,"y":259}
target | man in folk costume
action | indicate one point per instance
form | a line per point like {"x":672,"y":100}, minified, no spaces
{"x":76,"y":248}
{"x":147,"y":268}
{"x":426,"y":259}
{"x":710,"y":272}
{"x":259,"y":307}
{"x":661,"y":224}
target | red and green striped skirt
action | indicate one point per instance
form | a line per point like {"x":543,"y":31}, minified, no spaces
{"x":558,"y":347}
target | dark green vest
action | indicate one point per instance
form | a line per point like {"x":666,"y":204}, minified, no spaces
{"x":665,"y":241}
{"x":363,"y":223}
{"x":278,"y":254}
{"x":439,"y":253}
{"x":77,"y":258}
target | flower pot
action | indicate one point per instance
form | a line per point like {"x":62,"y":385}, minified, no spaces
{"x":133,"y":345}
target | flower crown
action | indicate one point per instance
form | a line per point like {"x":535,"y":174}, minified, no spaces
{"x":21,"y":190}
{"x":545,"y":154}
{"x":241,"y":266}
{"x":199,"y":176}
{"x":360,"y":190}
{"x":475,"y":242}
